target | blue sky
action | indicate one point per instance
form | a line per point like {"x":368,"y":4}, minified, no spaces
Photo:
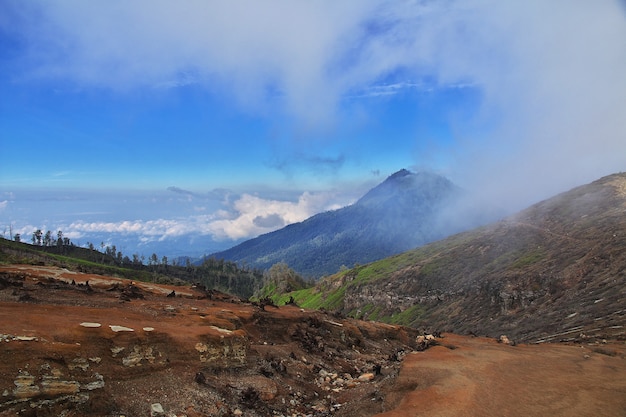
{"x":196,"y":124}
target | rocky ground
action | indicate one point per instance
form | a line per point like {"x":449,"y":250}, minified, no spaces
{"x":73,"y":344}
{"x":76,"y":344}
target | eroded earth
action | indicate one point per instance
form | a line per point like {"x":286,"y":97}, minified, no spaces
{"x":73,"y":344}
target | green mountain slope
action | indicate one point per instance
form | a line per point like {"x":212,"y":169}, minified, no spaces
{"x":542,"y":274}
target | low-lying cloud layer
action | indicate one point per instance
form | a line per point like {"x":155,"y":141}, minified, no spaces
{"x":245,"y":216}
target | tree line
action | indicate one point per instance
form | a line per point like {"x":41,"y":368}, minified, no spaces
{"x":212,"y":273}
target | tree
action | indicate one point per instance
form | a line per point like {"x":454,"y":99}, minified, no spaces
{"x":37,"y":237}
{"x":284,"y":278}
{"x":47,"y":239}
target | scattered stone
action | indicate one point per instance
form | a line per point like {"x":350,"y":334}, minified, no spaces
{"x":53,"y":387}
{"x":116,"y":349}
{"x":423,"y":342}
{"x":505,"y":340}
{"x":97,"y":384}
{"x":25,"y":386}
{"x":25,"y":338}
{"x":117,"y":329}
{"x":366,"y":377}
{"x":156,"y":410}
{"x":219,"y":329}
{"x":139,"y":354}
{"x":90,"y":325}
{"x":200,"y":378}
{"x":78,"y":363}
{"x":148,"y":329}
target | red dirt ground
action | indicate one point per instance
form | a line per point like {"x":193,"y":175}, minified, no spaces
{"x":222,"y":357}
{"x":481,"y":377}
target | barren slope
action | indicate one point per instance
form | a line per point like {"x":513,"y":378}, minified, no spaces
{"x":113,"y":348}
{"x":550,"y":272}
{"x":206,"y":354}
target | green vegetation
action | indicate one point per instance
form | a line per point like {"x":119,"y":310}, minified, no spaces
{"x":280,"y":280}
{"x":212,"y":273}
{"x":406,"y":317}
{"x":527,"y":259}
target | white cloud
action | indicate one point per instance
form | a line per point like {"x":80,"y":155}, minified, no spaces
{"x":551,"y":74}
{"x":248,"y":217}
{"x":248,"y":49}
{"x":253,"y":214}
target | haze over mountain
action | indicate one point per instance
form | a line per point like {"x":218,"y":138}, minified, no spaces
{"x":553,"y":271}
{"x":399,"y":214}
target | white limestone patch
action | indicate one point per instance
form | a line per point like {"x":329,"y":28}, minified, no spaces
{"x":25,"y":338}
{"x":90,"y":324}
{"x":148,"y":329}
{"x":221,"y":330}
{"x":117,"y":329}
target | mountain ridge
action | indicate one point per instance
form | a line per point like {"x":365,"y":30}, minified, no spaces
{"x":396,"y":215}
{"x":555,"y":267}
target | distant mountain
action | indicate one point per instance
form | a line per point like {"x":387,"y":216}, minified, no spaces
{"x":398,"y":214}
{"x":554,"y":271}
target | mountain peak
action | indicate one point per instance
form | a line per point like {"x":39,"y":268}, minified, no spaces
{"x":402,"y":173}
{"x":397,"y":215}
{"x":405,"y":185}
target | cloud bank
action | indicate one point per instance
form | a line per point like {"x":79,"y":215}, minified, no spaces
{"x":246,"y":216}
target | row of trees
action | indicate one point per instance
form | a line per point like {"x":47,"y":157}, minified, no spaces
{"x":213,"y":273}
{"x":47,"y":239}
{"x":107,"y":252}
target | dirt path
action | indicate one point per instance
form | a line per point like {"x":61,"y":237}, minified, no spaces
{"x":480,"y":377}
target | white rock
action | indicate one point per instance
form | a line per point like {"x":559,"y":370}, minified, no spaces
{"x":219,"y":329}
{"x":156,"y":410}
{"x":504,"y":339}
{"x":120,"y":328}
{"x":89,"y":324}
{"x":148,"y":329}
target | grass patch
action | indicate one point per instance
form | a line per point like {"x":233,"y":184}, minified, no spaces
{"x":406,"y":317}
{"x":527,"y":259}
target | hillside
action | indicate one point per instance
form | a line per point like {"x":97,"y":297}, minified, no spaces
{"x":554,"y":271}
{"x":76,"y":344}
{"x":212,"y":273}
{"x":397,"y":215}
